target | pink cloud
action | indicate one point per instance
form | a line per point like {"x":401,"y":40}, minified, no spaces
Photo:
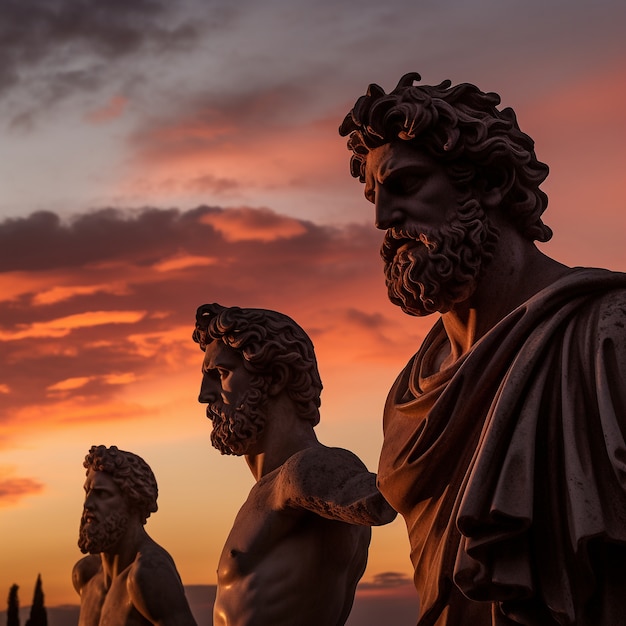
{"x":230,"y":149}
{"x":113,"y":109}
{"x":13,"y":489}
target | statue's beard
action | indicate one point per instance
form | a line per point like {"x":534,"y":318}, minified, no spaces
{"x":235,"y":430}
{"x":432,"y":270}
{"x":102,"y":535}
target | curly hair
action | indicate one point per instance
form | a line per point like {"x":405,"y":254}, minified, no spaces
{"x":130,"y":473}
{"x":461,"y":127}
{"x":266,"y":338}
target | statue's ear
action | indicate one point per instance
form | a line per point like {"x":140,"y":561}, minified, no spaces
{"x":280,"y":377}
{"x":494,"y":187}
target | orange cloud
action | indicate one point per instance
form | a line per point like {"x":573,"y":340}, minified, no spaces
{"x":59,"y":294}
{"x":75,"y":409}
{"x":246,"y":224}
{"x":113,"y":109}
{"x":13,"y":489}
{"x":70,"y":383}
{"x":63,"y":326}
{"x":183,"y":262}
{"x":120,"y":379}
{"x":4,"y":388}
{"x":171,"y":345}
{"x":15,"y":284}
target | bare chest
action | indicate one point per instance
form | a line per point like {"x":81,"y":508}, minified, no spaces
{"x":259,"y":529}
{"x":108,"y":607}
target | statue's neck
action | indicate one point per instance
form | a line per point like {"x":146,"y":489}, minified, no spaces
{"x":118,"y":558}
{"x":517,"y":272}
{"x":284,"y":434}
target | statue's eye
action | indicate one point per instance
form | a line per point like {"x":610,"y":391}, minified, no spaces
{"x":403,"y":185}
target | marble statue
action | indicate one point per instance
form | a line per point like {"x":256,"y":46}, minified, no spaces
{"x":504,"y":435}
{"x":127,"y":579}
{"x":299,"y":544}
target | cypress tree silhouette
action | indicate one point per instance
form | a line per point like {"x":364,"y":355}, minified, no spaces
{"x":13,"y":610}
{"x":38,"y":614}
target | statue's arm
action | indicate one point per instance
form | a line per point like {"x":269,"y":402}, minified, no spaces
{"x":334,"y":484}
{"x":157,"y":592}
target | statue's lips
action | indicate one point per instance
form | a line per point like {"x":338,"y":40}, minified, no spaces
{"x":89,"y":518}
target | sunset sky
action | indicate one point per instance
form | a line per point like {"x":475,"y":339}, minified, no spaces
{"x":159,"y":155}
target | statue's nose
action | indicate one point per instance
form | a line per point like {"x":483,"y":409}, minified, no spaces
{"x":208,"y":391}
{"x":388,"y":212}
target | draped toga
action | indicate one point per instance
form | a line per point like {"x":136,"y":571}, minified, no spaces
{"x":509,"y":466}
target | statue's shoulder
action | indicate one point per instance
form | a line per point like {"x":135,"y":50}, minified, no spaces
{"x":611,"y":316}
{"x":151,"y":560}
{"x":322,"y":459}
{"x":85,"y":569}
{"x":152,"y":571}
{"x":155,"y":588}
{"x":319,"y":470}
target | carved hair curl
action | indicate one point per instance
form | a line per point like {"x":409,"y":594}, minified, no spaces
{"x":461,"y":127}
{"x":266,"y":339}
{"x":130,"y":473}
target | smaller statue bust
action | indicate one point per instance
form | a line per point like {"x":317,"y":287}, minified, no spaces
{"x":299,"y":543}
{"x":127,"y":579}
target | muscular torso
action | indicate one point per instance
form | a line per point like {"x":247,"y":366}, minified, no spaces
{"x":147,"y":591}
{"x":112,"y":607}
{"x":287,"y":565}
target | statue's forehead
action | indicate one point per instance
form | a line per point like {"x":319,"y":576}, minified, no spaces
{"x":100,"y":479}
{"x":384,"y":160}
{"x":218,"y":354}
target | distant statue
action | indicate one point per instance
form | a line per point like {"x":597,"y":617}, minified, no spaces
{"x":504,"y":435}
{"x":127,"y":579}
{"x":299,"y":544}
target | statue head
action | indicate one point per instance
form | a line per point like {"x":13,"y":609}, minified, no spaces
{"x":270,"y":345}
{"x":460,"y":127}
{"x":443,"y":166}
{"x":130,"y":473}
{"x":120,"y":486}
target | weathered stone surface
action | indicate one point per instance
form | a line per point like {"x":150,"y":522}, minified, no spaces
{"x":504,"y":435}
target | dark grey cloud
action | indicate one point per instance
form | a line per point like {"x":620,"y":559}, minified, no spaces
{"x":53,"y":49}
{"x":42,"y":240}
{"x":34,"y":31}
